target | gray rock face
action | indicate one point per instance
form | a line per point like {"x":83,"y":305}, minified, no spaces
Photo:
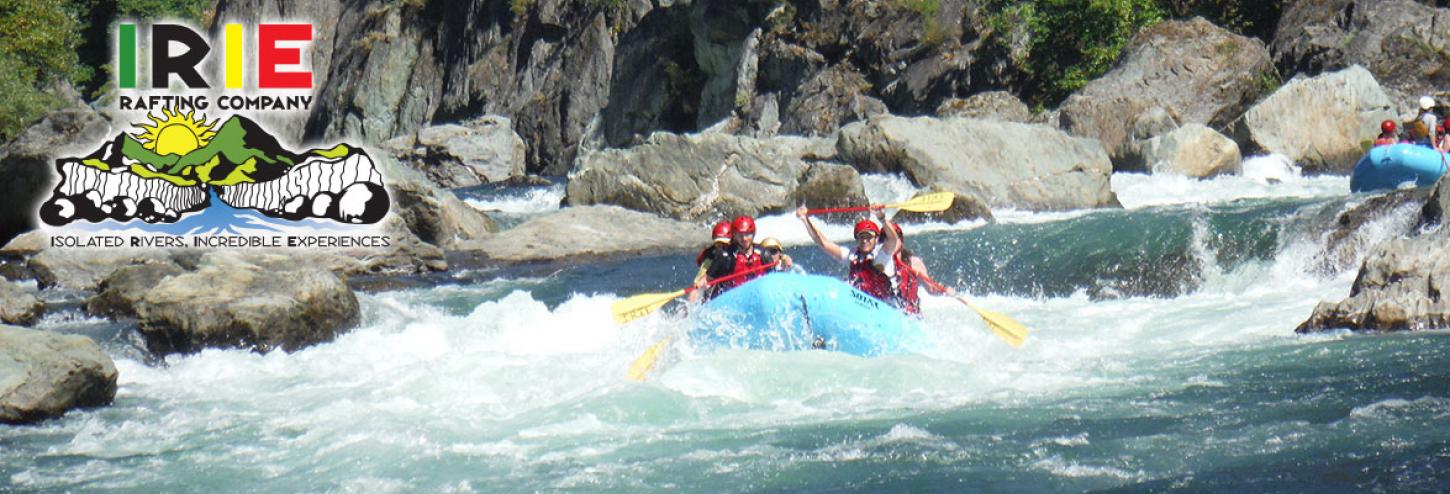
{"x":27,"y":162}
{"x":433,"y":215}
{"x":231,"y":301}
{"x":84,"y":268}
{"x":1001,"y":164}
{"x":991,"y":105}
{"x":1319,"y":122}
{"x":696,"y":177}
{"x":1193,"y":150}
{"x":591,"y":231}
{"x":1404,"y":44}
{"x":1193,"y":70}
{"x":123,"y":289}
{"x":1401,"y":283}
{"x":18,"y":306}
{"x":479,"y":151}
{"x":43,"y":375}
{"x":383,"y":69}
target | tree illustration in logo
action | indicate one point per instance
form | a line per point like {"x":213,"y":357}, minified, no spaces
{"x":174,"y":164}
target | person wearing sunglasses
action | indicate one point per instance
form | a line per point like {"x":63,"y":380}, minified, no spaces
{"x":870,"y":264}
{"x":771,"y":252}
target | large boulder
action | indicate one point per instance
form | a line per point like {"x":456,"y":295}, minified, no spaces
{"x":28,"y":162}
{"x":1400,"y":284}
{"x":1193,"y":150}
{"x":698,"y":177}
{"x":1403,"y":43}
{"x":18,"y":306}
{"x":43,"y":375}
{"x":1192,"y":70}
{"x":1320,"y":122}
{"x":1001,"y":164}
{"x":479,"y":151}
{"x":434,"y":215}
{"x":591,"y":231}
{"x":236,"y":301}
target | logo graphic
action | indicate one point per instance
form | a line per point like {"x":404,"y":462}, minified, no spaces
{"x":179,"y":162}
{"x":181,"y":180}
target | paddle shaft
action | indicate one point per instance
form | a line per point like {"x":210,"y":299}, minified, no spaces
{"x":735,"y":276}
{"x":847,"y":209}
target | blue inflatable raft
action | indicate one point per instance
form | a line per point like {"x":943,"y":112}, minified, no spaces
{"x":1386,"y":167}
{"x":788,"y":311}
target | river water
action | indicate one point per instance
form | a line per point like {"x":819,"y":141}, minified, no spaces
{"x":1162,"y":356}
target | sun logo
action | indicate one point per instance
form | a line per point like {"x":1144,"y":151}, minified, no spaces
{"x":175,"y":133}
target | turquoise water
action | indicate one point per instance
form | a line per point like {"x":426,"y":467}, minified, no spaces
{"x":1162,"y":358}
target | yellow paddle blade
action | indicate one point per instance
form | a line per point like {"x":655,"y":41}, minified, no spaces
{"x":641,"y":305}
{"x":1013,"y":332}
{"x":929,"y":203}
{"x":646,"y":361}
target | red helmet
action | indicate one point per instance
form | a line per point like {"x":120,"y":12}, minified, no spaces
{"x":743,"y":225}
{"x":867,"y":226}
{"x":1387,"y":126}
{"x":721,"y":231}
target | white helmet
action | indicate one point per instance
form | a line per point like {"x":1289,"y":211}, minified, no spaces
{"x":1427,"y":102}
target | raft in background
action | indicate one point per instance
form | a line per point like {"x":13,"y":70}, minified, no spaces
{"x":1386,"y":167}
{"x":788,"y":311}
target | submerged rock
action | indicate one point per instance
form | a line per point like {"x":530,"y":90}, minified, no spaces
{"x":44,"y":375}
{"x":235,"y":301}
{"x":1402,"y":283}
{"x":18,"y":306}
{"x":1002,"y":164}
{"x":1322,"y":123}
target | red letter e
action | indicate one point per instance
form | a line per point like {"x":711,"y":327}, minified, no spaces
{"x":269,"y":56}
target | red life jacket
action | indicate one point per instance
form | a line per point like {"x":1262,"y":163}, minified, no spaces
{"x":745,"y":261}
{"x":906,"y":285}
{"x":866,"y":277}
{"x":1385,"y":141}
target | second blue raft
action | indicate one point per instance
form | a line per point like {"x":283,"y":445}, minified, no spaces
{"x":1386,"y":167}
{"x":788,"y":311}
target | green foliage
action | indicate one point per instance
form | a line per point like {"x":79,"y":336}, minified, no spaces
{"x":1067,"y":42}
{"x":36,"y":51}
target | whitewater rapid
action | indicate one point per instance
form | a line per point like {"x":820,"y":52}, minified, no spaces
{"x":517,"y":384}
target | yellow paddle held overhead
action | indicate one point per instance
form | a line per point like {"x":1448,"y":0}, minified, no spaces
{"x":927,"y":203}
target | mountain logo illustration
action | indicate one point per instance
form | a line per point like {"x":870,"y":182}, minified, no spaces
{"x":178,"y":162}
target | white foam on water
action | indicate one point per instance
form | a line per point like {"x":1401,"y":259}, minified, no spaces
{"x":1271,"y":176}
{"x":522,"y":201}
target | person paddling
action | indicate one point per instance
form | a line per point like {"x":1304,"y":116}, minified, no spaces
{"x":870,"y":262}
{"x":745,"y":255}
{"x":909,"y":270}
{"x":714,"y":261}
